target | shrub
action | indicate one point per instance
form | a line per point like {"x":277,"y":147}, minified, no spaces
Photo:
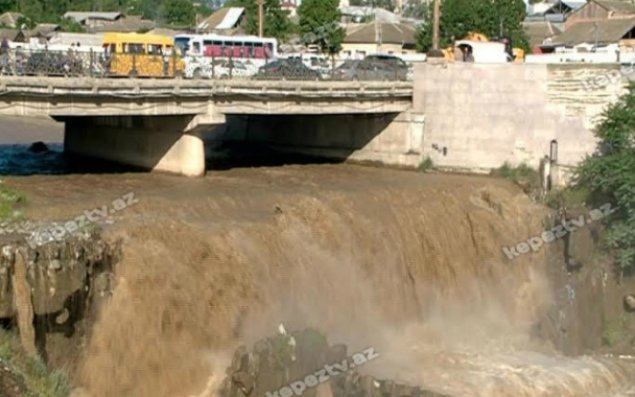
{"x":609,"y":176}
{"x":426,"y":165}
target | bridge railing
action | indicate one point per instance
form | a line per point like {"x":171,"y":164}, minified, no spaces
{"x":99,"y":64}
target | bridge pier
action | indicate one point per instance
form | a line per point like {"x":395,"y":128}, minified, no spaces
{"x":159,"y":143}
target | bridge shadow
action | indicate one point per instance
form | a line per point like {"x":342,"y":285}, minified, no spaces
{"x":234,"y":154}
{"x":276,"y":140}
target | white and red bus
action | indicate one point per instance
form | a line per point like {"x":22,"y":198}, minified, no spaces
{"x":217,"y":46}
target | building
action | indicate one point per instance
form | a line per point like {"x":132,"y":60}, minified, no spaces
{"x":10,"y":19}
{"x":44,"y":30}
{"x":94,"y":19}
{"x":129,"y":24}
{"x":538,"y":31}
{"x":600,"y":10}
{"x":84,"y":39}
{"x":617,"y":32}
{"x":562,"y":9}
{"x":14,"y":35}
{"x":359,"y":14}
{"x":384,"y":37}
{"x":223,"y":20}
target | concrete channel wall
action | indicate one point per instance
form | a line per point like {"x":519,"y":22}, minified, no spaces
{"x":479,"y":116}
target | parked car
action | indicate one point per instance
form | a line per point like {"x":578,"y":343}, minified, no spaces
{"x":316,"y":62}
{"x":287,"y":69}
{"x":390,"y":59}
{"x":369,"y":70}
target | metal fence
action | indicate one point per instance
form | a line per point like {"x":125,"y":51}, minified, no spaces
{"x":74,"y":63}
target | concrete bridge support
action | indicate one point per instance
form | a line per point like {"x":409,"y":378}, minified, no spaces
{"x":162,"y":143}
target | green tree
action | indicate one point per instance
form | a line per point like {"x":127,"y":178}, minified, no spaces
{"x":319,"y":24}
{"x":177,"y":12}
{"x":24,"y":21}
{"x":277,"y":23}
{"x":146,"y":8}
{"x":494,"y":18}
{"x":203,"y":10}
{"x":7,"y":5}
{"x":70,"y":25}
{"x":32,"y":9}
{"x":424,"y":33}
{"x":609,"y":175}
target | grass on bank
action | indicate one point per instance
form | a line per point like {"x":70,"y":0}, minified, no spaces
{"x":572,"y":197}
{"x":615,"y":331}
{"x":426,"y":165}
{"x":522,"y":175}
{"x":39,"y":380}
{"x":10,"y":200}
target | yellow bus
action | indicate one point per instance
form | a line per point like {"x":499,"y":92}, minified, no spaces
{"x":142,"y":55}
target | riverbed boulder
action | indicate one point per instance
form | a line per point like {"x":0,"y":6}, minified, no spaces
{"x":38,"y":147}
{"x":294,"y":365}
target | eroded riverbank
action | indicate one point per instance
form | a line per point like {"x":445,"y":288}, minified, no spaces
{"x":411,"y":264}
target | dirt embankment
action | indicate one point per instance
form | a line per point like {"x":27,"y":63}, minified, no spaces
{"x":410,"y":264}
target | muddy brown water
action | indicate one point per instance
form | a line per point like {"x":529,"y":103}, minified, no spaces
{"x":410,"y":264}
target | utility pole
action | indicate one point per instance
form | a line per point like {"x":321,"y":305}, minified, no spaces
{"x":261,"y":18}
{"x":377,"y":27}
{"x":435,"y":24}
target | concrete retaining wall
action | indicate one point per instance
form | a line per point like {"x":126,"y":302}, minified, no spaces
{"x":479,"y":116}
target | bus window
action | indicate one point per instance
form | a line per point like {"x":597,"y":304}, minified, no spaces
{"x":133,"y":48}
{"x":183,"y":43}
{"x":196,"y":47}
{"x":259,"y":51}
{"x":110,"y":48}
{"x":155,"y":49}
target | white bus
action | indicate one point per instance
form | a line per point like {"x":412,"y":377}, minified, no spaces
{"x":217,"y":46}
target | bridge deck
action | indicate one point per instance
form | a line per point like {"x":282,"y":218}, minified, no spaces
{"x":67,"y":97}
{"x":203,"y":88}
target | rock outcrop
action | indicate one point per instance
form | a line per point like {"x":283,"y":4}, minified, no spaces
{"x":303,"y":364}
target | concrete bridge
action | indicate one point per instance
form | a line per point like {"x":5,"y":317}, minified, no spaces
{"x":163,"y":124}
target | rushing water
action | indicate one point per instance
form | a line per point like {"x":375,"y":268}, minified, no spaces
{"x":400,"y":261}
{"x":19,"y":160}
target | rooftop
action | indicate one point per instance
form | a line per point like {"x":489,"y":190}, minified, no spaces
{"x":10,"y":18}
{"x":83,"y":16}
{"x":224,"y":18}
{"x":617,"y":6}
{"x":132,"y":23}
{"x":608,"y":31}
{"x":538,"y":31}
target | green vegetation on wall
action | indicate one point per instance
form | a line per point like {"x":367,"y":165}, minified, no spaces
{"x":609,"y":176}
